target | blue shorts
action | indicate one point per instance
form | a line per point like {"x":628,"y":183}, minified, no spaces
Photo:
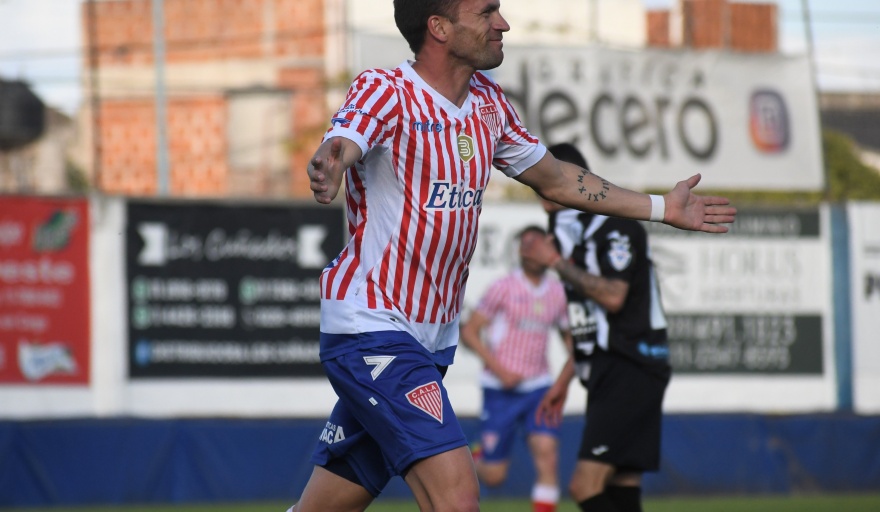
{"x":504,"y":413}
{"x":392,"y":411}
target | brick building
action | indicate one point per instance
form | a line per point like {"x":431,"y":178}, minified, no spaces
{"x":248,"y":83}
{"x":245,"y":89}
{"x":715,"y":24}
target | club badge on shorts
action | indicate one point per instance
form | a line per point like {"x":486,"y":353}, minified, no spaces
{"x":428,"y":399}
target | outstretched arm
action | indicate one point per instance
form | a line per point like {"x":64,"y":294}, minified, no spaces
{"x":578,"y":188}
{"x":328,"y":165}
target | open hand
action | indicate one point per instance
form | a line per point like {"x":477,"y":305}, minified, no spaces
{"x":549,"y":411}
{"x":686,"y":210}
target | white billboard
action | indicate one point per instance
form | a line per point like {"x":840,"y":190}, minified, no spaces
{"x":647,"y":119}
{"x":864,"y":249}
{"x":749,"y":311}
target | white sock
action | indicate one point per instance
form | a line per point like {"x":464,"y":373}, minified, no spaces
{"x":544,"y":493}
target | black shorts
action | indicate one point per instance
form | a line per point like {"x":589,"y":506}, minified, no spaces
{"x":624,"y":413}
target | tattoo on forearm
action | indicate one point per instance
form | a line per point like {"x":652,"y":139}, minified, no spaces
{"x":592,"y":195}
{"x":583,"y":281}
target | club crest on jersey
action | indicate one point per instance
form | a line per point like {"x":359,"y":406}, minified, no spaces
{"x":428,"y":399}
{"x":447,"y":196}
{"x":465,"y":147}
{"x":489,"y":115}
{"x":620,"y":254}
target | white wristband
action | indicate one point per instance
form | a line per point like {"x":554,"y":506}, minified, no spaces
{"x":658,"y":208}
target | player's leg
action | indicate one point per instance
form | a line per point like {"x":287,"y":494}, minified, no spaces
{"x":543,"y":443}
{"x":545,"y":455}
{"x":600,"y":442}
{"x":445,"y":482}
{"x":501,"y":416}
{"x":329,"y":492}
{"x":643,"y":432}
{"x":622,"y":433}
{"x":492,"y":473}
{"x":589,"y":479}
{"x":350,"y":469}
{"x":405,"y":410}
{"x":625,"y":490}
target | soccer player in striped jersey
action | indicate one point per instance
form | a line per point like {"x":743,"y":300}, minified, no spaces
{"x":620,"y":351}
{"x":415,"y":146}
{"x":509,"y":330}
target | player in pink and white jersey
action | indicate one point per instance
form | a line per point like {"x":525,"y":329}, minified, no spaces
{"x":509,"y":330}
{"x":415,"y":146}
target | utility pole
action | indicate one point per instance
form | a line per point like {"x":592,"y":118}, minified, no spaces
{"x":94,"y":55}
{"x":594,"y":21}
{"x":162,"y":166}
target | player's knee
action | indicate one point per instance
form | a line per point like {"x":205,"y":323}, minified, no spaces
{"x":493,"y":480}
{"x":492,"y":475}
{"x":580,"y":489}
{"x":461,"y":502}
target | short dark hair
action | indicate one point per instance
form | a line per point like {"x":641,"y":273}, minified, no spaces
{"x":530,"y":229}
{"x":411,"y":18}
{"x":568,"y":152}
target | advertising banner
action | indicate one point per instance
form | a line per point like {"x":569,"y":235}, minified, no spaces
{"x":749,"y":312}
{"x":864,"y":221}
{"x":650,"y":118}
{"x":223,"y":290}
{"x":44,"y":291}
{"x":752,"y":301}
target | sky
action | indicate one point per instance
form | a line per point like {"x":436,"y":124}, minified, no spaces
{"x":41,"y":43}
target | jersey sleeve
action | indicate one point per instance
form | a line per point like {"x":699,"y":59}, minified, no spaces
{"x":517,"y":149}
{"x":370,"y":112}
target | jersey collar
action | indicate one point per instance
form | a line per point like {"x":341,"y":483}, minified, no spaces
{"x":459,"y":113}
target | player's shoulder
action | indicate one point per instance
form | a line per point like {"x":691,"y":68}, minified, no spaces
{"x":503,"y":285}
{"x":378,"y":76}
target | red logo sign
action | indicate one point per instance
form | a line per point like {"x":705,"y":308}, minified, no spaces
{"x":489,"y":115}
{"x":44,"y":291}
{"x":428,"y":398}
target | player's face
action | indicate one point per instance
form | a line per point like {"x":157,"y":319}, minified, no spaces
{"x":477,"y":34}
{"x":530,"y":265}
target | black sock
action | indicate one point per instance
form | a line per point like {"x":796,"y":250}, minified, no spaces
{"x":598,"y":503}
{"x":625,"y":498}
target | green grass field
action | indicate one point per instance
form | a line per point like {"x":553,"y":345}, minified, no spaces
{"x":808,"y":503}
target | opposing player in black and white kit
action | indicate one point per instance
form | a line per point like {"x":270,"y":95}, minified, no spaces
{"x":620,"y":350}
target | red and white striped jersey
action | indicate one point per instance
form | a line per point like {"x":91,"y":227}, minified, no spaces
{"x":522,"y":316}
{"x":413,"y":203}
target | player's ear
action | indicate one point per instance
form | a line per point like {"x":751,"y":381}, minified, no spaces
{"x":439,"y":27}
